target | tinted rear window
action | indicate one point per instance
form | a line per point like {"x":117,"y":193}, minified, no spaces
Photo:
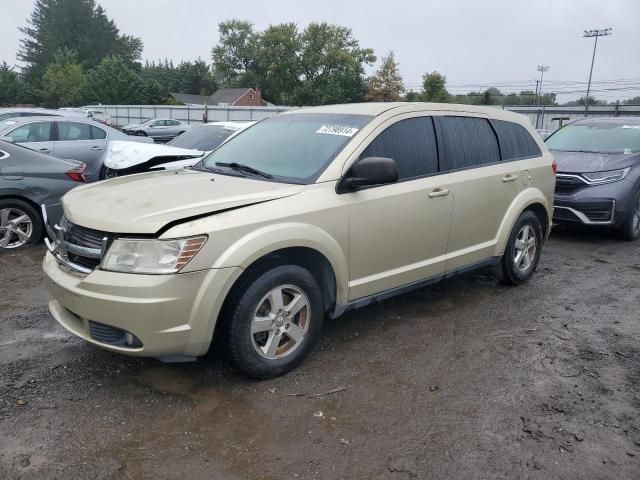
{"x":206,"y":137}
{"x":606,"y":137}
{"x":515,"y":141}
{"x":468,"y":142}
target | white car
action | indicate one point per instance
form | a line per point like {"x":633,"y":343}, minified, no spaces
{"x":125,"y":158}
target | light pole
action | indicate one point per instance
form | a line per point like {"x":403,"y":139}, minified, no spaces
{"x":541,"y":69}
{"x":588,"y":34}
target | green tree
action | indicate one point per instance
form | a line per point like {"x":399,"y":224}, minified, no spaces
{"x":79,"y":25}
{"x":195,"y":78}
{"x":11,"y":86}
{"x":580,"y":102}
{"x":412,"y":96}
{"x":63,"y":83}
{"x":632,"y":101}
{"x":434,"y":87}
{"x":332,"y":66}
{"x":386,"y":84}
{"x":278,"y":63}
{"x":235,"y":56}
{"x":113,"y":81}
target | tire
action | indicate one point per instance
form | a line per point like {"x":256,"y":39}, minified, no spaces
{"x":25,"y":233}
{"x":273,"y":350}
{"x":630,"y":229}
{"x":516,"y":267}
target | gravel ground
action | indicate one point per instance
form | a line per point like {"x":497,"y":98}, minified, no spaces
{"x":467,"y":379}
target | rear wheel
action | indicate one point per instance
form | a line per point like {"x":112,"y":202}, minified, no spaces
{"x":20,"y":225}
{"x":630,"y":229}
{"x":522,"y":254}
{"x":273,"y":322}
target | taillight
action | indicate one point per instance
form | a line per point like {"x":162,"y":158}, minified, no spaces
{"x":77,"y":174}
{"x":554,"y":167}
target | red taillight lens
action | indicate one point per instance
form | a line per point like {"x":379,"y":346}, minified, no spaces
{"x":554,"y":167}
{"x":77,"y":174}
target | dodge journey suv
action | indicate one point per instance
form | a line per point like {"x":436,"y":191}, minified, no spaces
{"x":303,"y":216}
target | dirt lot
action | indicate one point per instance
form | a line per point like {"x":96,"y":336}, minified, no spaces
{"x":466,"y":379}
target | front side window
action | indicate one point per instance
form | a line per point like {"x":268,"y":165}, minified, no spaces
{"x":515,"y":141}
{"x":604,"y":137}
{"x":468,"y":142}
{"x":70,"y":131}
{"x":32,"y":132}
{"x":411,"y":143}
{"x":293,"y":148}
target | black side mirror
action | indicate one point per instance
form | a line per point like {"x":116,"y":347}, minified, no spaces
{"x":369,"y":171}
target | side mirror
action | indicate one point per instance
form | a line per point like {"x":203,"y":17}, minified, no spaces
{"x":369,"y":171}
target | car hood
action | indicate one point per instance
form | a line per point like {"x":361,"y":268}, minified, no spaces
{"x":121,"y":155}
{"x":144,"y":203}
{"x":131,"y":125}
{"x":584,"y":162}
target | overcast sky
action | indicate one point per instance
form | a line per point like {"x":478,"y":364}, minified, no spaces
{"x":485,"y":42}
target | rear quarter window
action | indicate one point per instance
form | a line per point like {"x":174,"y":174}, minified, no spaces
{"x":467,"y":142}
{"x":515,"y":141}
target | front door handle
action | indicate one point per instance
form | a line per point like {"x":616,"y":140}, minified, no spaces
{"x":510,"y":178}
{"x":96,"y":147}
{"x":45,"y":150}
{"x":438,"y":192}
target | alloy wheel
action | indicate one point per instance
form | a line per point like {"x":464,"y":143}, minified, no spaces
{"x":16,"y":228}
{"x":280,"y":322}
{"x":525,"y":248}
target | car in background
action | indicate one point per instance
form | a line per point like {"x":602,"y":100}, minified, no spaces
{"x":545,"y":132}
{"x":160,"y":129}
{"x":66,"y":137}
{"x":94,"y":114}
{"x":598,"y":180}
{"x":16,"y":112}
{"x":31,"y":183}
{"x":184,"y":151}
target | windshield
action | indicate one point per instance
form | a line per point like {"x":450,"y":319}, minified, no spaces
{"x":206,"y":137}
{"x":292,"y":148}
{"x":597,"y":138}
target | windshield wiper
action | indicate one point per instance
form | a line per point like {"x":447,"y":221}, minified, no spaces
{"x":241,"y":167}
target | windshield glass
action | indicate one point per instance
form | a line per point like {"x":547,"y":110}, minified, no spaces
{"x":206,"y":137}
{"x":292,"y":148}
{"x":597,"y":138}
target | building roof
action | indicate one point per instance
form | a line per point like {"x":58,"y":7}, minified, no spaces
{"x":223,"y":95}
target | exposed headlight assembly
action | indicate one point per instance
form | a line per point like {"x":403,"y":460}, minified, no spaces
{"x":151,"y":256}
{"x":610,"y":176}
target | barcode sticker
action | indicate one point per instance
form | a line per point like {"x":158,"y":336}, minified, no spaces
{"x":337,"y":130}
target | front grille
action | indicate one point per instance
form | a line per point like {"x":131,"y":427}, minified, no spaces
{"x":568,"y":185}
{"x":75,"y":235}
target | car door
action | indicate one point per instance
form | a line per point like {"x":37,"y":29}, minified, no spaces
{"x":483,"y":187}
{"x":158,"y":129}
{"x":37,"y":135}
{"x":398,"y":233}
{"x":81,"y":141}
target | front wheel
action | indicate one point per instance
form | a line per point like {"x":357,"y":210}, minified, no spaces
{"x":274,"y":321}
{"x":20,"y":225}
{"x":630,"y":229}
{"x":522,"y":253}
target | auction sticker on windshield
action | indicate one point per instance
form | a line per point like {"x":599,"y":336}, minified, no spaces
{"x":337,"y":130}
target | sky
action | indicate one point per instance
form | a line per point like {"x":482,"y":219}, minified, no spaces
{"x":476,"y":44}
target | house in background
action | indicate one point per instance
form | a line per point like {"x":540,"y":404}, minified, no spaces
{"x":225,"y":97}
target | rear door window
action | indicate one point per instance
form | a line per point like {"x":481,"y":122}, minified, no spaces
{"x":98,"y":133}
{"x":71,"y":131}
{"x":467,"y":142}
{"x":411,"y":143}
{"x":515,"y":141}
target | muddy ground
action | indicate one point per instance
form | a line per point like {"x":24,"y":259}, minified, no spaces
{"x":467,"y":379}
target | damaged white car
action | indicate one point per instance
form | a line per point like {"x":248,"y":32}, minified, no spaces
{"x":125,"y":158}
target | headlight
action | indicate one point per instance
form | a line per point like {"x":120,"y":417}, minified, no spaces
{"x":151,"y":256}
{"x":598,"y":178}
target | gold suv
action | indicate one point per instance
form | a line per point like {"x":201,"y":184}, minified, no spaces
{"x":304,"y":215}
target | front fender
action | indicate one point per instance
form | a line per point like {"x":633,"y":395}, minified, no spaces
{"x":268,"y":239}
{"x":525,"y":198}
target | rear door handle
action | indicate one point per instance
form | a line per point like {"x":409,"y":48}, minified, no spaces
{"x":510,"y":178}
{"x":96,"y":147}
{"x":438,"y":192}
